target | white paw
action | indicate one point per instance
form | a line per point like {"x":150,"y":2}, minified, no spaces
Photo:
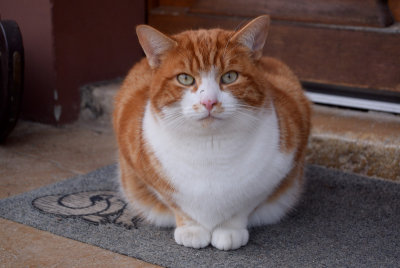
{"x":227,"y":238}
{"x":192,"y":236}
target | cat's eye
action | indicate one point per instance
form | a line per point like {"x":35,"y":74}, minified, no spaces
{"x":185,"y":79}
{"x":229,"y":77}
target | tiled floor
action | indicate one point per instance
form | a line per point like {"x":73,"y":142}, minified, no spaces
{"x":36,"y":155}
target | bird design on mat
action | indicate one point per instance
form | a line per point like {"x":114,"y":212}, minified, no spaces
{"x":99,"y":207}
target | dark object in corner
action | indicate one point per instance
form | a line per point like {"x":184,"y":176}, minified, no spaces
{"x":11,"y":76}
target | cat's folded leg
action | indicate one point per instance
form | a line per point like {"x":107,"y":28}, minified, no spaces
{"x":232,"y":234}
{"x":281,"y":202}
{"x":190,"y":234}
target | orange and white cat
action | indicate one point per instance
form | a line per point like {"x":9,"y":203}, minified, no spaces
{"x":211,"y":135}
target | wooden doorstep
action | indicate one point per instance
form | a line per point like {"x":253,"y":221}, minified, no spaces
{"x":352,"y":56}
{"x":374,"y":13}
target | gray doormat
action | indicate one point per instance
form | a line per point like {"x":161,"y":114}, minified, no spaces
{"x":343,"y":220}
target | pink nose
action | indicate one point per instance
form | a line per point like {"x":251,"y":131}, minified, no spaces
{"x":208,"y":103}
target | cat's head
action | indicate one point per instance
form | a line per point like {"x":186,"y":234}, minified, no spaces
{"x":206,"y":78}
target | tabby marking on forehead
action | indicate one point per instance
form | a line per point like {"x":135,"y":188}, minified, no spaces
{"x":203,"y":53}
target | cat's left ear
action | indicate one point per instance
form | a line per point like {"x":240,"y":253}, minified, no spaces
{"x":253,"y":35}
{"x":154,"y":44}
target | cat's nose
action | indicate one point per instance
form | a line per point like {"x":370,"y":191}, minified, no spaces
{"x":208,"y":103}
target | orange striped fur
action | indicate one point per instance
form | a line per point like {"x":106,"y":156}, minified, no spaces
{"x":263,"y":83}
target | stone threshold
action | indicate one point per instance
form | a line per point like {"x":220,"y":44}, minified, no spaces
{"x":366,"y":143}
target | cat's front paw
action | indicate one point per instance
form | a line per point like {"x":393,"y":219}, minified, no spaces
{"x":192,"y":236}
{"x":229,"y":238}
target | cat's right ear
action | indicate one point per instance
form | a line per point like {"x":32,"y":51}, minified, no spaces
{"x":154,"y":44}
{"x":253,"y":35}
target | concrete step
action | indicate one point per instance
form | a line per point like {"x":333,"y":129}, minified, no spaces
{"x":97,"y":101}
{"x":367,"y":143}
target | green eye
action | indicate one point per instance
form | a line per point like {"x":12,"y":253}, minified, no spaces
{"x":185,"y":79}
{"x":229,"y":77}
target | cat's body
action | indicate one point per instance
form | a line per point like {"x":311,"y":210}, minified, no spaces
{"x":218,"y":149}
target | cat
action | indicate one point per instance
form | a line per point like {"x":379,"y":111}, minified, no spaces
{"x":211,"y":135}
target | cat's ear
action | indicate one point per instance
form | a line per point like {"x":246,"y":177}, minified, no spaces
{"x":154,"y":44}
{"x":253,"y":35}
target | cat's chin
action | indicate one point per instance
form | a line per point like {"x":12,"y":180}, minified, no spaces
{"x":207,"y":121}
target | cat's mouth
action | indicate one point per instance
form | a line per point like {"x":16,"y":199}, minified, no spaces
{"x":209,"y":117}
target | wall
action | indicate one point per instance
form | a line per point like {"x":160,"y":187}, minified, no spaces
{"x":34,"y":20}
{"x":69,"y":43}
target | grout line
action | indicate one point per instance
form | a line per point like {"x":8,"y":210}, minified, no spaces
{"x":54,"y":162}
{"x":62,"y":167}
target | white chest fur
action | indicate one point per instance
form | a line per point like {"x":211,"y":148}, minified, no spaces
{"x":217,"y":176}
